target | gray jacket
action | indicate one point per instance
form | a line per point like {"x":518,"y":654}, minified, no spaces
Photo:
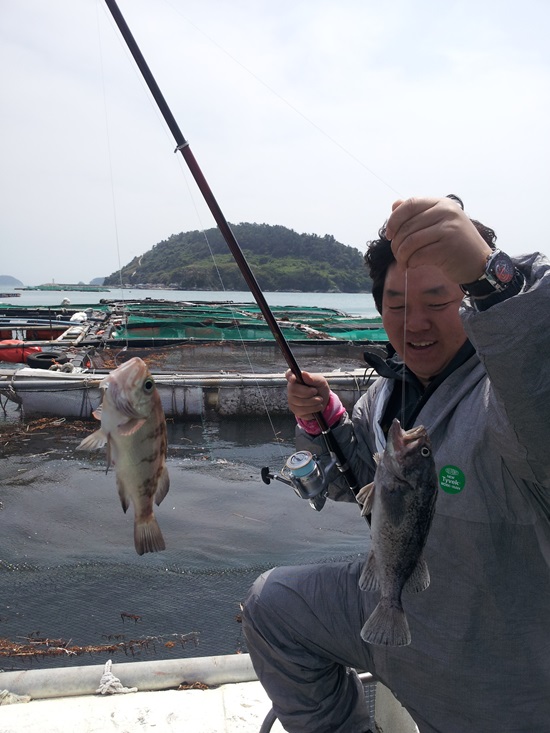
{"x":482,"y":628}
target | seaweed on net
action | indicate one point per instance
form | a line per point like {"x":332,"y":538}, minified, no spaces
{"x":36,"y":647}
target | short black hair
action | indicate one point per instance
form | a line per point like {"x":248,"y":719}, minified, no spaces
{"x":379,"y":255}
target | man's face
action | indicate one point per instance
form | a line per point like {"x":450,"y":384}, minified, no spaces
{"x":428,"y":332}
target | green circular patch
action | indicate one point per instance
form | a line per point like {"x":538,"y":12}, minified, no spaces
{"x":452,"y":479}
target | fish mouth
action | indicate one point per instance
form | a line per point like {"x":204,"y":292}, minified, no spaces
{"x":120,"y":401}
{"x":400,"y":440}
{"x":122,"y":384}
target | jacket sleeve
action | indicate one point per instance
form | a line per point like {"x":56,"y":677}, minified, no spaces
{"x":352,"y":436}
{"x":512,"y":340}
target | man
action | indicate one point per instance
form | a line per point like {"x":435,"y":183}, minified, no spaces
{"x":477,"y":378}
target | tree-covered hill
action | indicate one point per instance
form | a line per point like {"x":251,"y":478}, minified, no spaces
{"x":13,"y":282}
{"x":280,"y":259}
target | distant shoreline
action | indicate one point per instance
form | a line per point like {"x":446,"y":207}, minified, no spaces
{"x":361,"y":304}
{"x":66,"y":288}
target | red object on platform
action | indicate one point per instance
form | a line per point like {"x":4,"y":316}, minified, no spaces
{"x":15,"y":350}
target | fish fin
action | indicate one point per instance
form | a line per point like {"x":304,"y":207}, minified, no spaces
{"x":163,"y":486}
{"x":365,"y":496}
{"x":377,"y":457}
{"x":147,"y":536}
{"x":98,"y":412}
{"x":419,"y":579}
{"x":93,"y":441}
{"x":369,"y":578}
{"x":131,"y":427}
{"x":387,"y":626}
{"x":110,"y":461}
{"x":123,"y":495}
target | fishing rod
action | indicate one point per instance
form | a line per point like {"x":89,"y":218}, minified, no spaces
{"x":301,"y":474}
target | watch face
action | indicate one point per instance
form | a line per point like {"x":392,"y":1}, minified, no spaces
{"x":502,"y":268}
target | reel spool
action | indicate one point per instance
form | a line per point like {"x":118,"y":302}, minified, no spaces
{"x":305,"y":475}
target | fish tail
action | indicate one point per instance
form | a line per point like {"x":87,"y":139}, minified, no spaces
{"x":387,"y":625}
{"x":147,"y":536}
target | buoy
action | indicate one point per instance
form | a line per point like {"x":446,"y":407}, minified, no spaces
{"x":14,"y":350}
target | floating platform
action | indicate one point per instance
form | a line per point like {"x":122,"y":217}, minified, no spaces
{"x":153,"y":323}
{"x":203,"y":695}
{"x":77,"y":394}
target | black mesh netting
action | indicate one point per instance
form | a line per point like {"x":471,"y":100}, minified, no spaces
{"x":138,"y":612}
{"x":69,"y":575}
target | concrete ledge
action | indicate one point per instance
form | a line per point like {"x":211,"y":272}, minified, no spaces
{"x":156,"y":675}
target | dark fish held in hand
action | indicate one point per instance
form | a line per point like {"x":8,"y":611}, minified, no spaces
{"x":401,"y":501}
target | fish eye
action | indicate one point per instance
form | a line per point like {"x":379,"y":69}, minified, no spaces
{"x":424,"y":451}
{"x":148,"y":385}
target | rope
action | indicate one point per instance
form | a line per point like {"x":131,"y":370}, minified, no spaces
{"x":111,"y":685}
{"x":10,"y":698}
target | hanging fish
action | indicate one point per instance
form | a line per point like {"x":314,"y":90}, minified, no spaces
{"x":401,"y":501}
{"x":133,"y":428}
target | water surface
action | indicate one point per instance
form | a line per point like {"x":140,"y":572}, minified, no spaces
{"x":68,"y":568}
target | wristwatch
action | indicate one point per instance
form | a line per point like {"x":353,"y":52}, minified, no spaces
{"x":499,"y":273}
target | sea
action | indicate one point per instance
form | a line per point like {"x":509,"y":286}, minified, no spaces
{"x":73,"y":590}
{"x":356,"y":304}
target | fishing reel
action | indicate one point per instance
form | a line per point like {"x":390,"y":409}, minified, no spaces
{"x":305,"y":475}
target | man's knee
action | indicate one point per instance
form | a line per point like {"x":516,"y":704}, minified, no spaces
{"x":261,"y":588}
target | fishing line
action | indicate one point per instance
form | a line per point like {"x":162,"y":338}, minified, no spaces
{"x":183,"y":170}
{"x":233,"y":311}
{"x":111,"y":180}
{"x":403,"y":381}
{"x":183,"y":147}
{"x":109,"y":153}
{"x":285,"y":101}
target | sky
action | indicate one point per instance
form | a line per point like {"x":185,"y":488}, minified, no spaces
{"x":311,"y":114}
